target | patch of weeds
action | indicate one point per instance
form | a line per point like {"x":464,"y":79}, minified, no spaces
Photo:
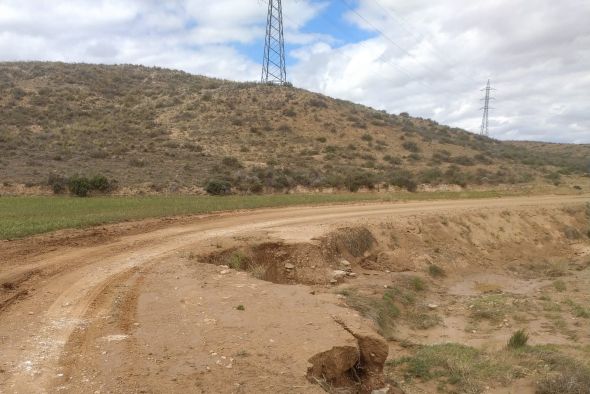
{"x":257,"y":270}
{"x":548,"y":269}
{"x":436,"y":272}
{"x":578,"y":310}
{"x":417,"y":283}
{"x":461,"y":366}
{"x":382,"y":311}
{"x":469,"y":370}
{"x":406,"y":297}
{"x":355,"y":240}
{"x":236,"y":260}
{"x":518,"y":340}
{"x":490,"y":307}
{"x":566,"y":375}
{"x":241,"y":307}
{"x":421,"y":320}
{"x":549,"y":306}
{"x":559,"y":285}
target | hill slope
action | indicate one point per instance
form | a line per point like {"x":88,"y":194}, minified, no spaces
{"x":164,"y":130}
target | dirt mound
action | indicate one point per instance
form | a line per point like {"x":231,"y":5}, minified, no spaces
{"x":354,"y":369}
{"x":327,"y":261}
{"x":276,"y":262}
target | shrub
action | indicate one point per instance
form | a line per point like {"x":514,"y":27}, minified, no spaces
{"x":217,"y":187}
{"x":436,"y":272}
{"x":417,"y":283}
{"x":431,"y":176}
{"x":392,"y":160}
{"x":367,"y":137}
{"x":404,"y":180}
{"x":518,"y":340}
{"x":79,"y":186}
{"x":362,"y":179}
{"x":231,"y":162}
{"x":100,"y":183}
{"x":57,"y":183}
{"x":559,"y":285}
{"x":256,"y":186}
{"x":290,"y":112}
{"x":411,"y":146}
{"x":318,"y":103}
{"x":285,"y":128}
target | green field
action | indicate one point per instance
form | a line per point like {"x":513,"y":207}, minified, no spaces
{"x":24,"y":216}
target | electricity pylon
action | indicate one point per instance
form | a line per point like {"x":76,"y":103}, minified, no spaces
{"x":274,"y":69}
{"x":486,"y":109}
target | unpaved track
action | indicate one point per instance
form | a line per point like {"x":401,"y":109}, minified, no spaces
{"x":51,"y":294}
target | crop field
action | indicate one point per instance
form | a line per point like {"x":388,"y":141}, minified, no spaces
{"x":24,"y":216}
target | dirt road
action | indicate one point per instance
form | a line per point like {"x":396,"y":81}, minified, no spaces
{"x":134,"y":314}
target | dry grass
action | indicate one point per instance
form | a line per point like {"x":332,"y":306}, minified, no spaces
{"x":383,"y":311}
{"x":463,"y":369}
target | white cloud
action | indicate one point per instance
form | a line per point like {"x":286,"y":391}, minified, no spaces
{"x":538,"y":56}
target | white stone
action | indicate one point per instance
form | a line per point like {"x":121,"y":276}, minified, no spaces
{"x":338,"y":274}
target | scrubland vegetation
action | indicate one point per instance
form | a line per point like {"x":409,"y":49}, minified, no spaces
{"x":155,"y":130}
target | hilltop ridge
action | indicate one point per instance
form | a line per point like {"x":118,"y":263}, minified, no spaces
{"x":152,"y":129}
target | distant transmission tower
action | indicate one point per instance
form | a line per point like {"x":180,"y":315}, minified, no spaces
{"x":486,"y":110}
{"x":274,"y":69}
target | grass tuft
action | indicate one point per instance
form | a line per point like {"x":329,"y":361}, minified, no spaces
{"x":518,"y":340}
{"x":490,"y":307}
{"x":436,"y":272}
{"x":559,"y":285}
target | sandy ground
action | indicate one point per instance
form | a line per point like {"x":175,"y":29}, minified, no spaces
{"x":125,"y":310}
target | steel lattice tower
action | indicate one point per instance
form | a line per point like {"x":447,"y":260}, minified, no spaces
{"x":274,"y":69}
{"x":486,"y":110}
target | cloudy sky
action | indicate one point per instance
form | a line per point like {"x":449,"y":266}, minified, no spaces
{"x":425,"y":57}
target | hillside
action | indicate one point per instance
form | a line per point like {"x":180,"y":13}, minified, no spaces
{"x":158,"y":130}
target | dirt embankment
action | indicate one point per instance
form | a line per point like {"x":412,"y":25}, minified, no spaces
{"x":455,"y":242}
{"x":339,"y":299}
{"x":381,"y":267}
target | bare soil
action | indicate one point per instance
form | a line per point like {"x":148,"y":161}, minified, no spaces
{"x":249,"y":302}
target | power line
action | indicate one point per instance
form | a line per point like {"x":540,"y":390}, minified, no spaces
{"x":392,"y":41}
{"x":366,"y":46}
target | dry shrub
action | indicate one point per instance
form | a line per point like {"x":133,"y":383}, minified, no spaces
{"x":353,"y":240}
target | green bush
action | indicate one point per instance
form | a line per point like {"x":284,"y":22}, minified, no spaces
{"x":79,"y":186}
{"x":518,"y":339}
{"x":404,"y":180}
{"x":100,"y":183}
{"x":362,"y":179}
{"x":436,"y":271}
{"x":217,"y":187}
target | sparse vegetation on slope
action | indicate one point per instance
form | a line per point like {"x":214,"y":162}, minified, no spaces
{"x":161,"y":130}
